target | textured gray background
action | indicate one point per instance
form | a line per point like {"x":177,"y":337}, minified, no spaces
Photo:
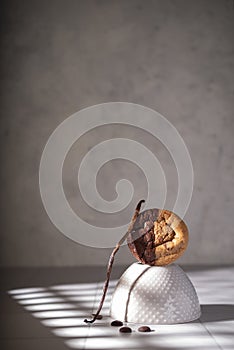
{"x":58,"y":57}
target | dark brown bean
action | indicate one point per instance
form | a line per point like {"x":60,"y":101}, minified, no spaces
{"x":116,"y":323}
{"x":99,"y":317}
{"x":125,"y":330}
{"x":144,"y":329}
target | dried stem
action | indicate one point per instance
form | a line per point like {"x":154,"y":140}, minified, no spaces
{"x":111,"y":261}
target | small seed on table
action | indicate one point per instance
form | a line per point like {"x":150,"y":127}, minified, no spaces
{"x":116,"y":323}
{"x":125,"y":330}
{"x":144,"y":329}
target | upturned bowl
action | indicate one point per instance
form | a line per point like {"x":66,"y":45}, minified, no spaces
{"x":155,"y":295}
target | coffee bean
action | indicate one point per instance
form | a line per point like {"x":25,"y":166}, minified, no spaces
{"x":116,"y":323}
{"x":99,"y":317}
{"x":144,"y":329}
{"x":125,"y":330}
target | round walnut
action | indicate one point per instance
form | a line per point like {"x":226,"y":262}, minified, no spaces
{"x":158,"y":237}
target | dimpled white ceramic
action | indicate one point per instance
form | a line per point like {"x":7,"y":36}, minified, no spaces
{"x":155,"y":295}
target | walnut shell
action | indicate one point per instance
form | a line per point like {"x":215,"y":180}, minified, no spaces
{"x":158,"y":237}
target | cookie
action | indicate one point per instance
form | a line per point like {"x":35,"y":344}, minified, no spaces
{"x":158,"y":237}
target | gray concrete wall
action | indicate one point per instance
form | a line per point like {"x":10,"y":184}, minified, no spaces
{"x":58,"y":57}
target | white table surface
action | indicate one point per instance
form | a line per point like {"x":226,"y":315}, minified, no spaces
{"x":45,"y":309}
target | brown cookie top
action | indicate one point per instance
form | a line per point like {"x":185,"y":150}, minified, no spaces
{"x":155,"y":235}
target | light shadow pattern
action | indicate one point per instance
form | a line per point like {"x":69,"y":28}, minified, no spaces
{"x":62,"y":308}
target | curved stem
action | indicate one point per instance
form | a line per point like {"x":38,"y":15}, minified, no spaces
{"x":111,"y":261}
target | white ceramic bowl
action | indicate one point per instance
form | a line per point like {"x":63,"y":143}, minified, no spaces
{"x":155,"y":295}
